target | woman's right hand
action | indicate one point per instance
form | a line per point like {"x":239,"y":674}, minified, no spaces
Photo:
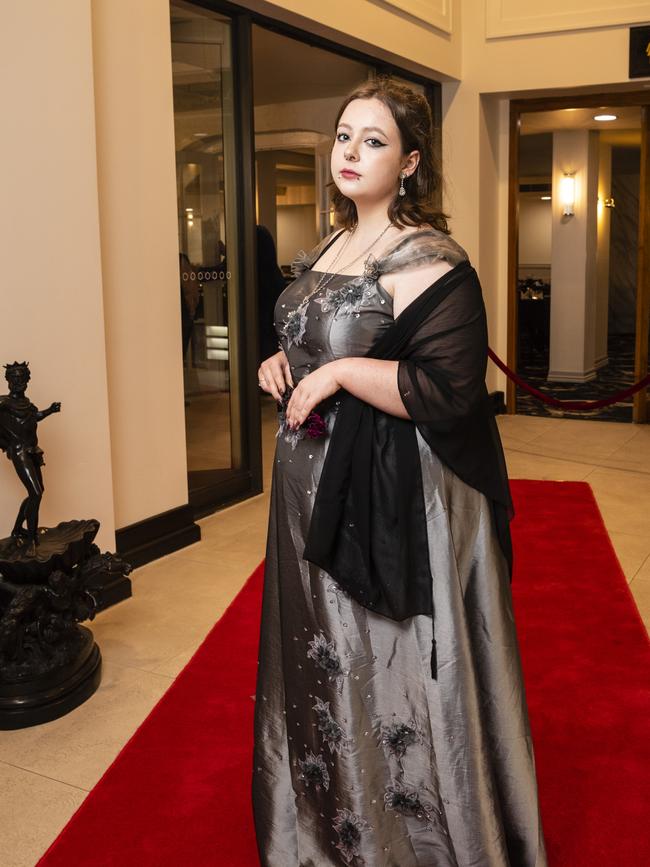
{"x":274,"y":374}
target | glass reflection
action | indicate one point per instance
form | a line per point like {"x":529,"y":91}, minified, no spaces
{"x":207,"y":231}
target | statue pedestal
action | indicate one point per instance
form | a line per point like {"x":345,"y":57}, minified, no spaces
{"x":49,"y":664}
{"x":26,"y":702}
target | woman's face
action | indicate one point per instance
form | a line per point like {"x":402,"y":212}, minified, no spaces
{"x":367,"y":153}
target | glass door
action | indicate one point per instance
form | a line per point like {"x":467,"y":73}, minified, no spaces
{"x":208,"y":175}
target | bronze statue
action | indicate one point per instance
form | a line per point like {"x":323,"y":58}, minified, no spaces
{"x":18,"y":421}
{"x":51,"y":579}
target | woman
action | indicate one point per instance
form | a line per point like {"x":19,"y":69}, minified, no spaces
{"x":381,"y":739}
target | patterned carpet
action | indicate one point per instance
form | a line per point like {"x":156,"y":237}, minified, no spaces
{"x":618,"y":374}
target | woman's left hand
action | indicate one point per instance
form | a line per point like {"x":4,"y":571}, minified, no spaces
{"x":310,"y":391}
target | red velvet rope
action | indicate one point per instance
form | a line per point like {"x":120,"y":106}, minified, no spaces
{"x":569,"y":404}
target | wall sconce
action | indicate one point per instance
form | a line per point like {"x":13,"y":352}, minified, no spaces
{"x":568,"y":193}
{"x":609,"y":203}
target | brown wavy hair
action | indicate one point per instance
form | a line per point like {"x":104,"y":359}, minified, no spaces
{"x":412,"y":115}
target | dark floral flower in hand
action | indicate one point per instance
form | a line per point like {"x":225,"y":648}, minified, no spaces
{"x":313,"y":770}
{"x":348,"y":826}
{"x":316,"y":426}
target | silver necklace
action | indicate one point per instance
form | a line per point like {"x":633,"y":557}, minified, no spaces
{"x":328,"y":277}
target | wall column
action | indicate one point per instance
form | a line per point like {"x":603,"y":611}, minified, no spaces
{"x":573,"y":259}
{"x":604,"y":218}
{"x":136,"y":170}
{"x":51,"y":303}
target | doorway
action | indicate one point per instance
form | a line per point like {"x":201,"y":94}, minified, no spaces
{"x":578,"y":282}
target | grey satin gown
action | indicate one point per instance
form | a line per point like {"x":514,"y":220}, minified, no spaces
{"x":360,"y":756}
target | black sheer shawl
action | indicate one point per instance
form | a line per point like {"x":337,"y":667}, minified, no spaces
{"x":368,"y":525}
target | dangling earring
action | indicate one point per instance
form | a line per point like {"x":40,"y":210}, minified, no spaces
{"x":402,"y":191}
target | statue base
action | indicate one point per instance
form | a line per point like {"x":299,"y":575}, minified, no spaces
{"x":26,"y":703}
{"x":49,"y":664}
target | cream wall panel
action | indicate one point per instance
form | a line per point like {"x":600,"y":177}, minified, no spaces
{"x":436,"y":12}
{"x":526,"y":17}
{"x":553,"y":60}
{"x":137,"y":196}
{"x":51,"y":305}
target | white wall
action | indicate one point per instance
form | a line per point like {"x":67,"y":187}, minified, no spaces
{"x":51,"y":304}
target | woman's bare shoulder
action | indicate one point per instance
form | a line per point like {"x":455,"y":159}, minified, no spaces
{"x":405,"y":285}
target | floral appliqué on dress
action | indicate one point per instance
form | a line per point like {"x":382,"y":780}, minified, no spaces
{"x":350,"y":297}
{"x":398,"y":736}
{"x":408,"y":802}
{"x":345,"y":300}
{"x":333,"y":734}
{"x":313,"y":771}
{"x":348,"y":826}
{"x":295,"y":326}
{"x":325,"y":656}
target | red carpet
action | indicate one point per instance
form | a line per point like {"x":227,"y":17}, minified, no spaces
{"x":178,"y":794}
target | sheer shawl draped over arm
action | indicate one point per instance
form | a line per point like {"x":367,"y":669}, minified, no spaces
{"x":368,"y":525}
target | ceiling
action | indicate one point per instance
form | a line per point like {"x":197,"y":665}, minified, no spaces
{"x":628,"y":118}
{"x":537,"y":128}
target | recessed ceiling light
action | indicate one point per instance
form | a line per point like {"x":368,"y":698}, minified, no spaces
{"x":605,"y":117}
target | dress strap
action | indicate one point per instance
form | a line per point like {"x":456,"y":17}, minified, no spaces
{"x":418,"y":248}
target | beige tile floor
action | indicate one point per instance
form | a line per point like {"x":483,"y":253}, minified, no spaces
{"x":46,"y":771}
